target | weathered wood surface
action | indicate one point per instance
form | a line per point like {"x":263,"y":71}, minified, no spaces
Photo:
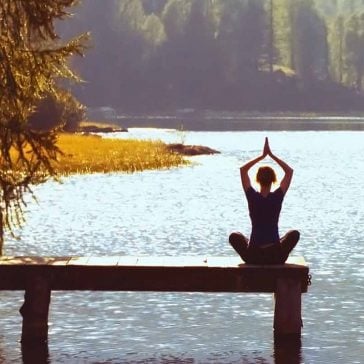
{"x":287,"y":307}
{"x":35,"y":309}
{"x":38,"y":276}
{"x":146,"y":273}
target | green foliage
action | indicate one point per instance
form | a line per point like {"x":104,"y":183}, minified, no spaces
{"x":339,"y":7}
{"x":73,"y":112}
{"x":336,"y":33}
{"x":59,"y":112}
{"x":153,"y":30}
{"x":154,"y":6}
{"x":310,"y":47}
{"x":47,"y":115}
{"x":175,"y":16}
{"x":32,"y":60}
{"x":354,"y":45}
{"x":283,"y":33}
{"x":152,"y":55}
{"x":241,"y":38}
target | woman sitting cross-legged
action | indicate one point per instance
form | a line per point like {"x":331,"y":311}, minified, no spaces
{"x":265,"y":246}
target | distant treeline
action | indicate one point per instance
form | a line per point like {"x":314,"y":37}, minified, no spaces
{"x":268,"y":55}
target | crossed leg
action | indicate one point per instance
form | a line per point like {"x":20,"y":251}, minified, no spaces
{"x":271,"y":255}
{"x":240,"y":244}
{"x":288,"y":242}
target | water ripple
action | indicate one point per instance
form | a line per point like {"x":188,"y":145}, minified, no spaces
{"x":191,"y":211}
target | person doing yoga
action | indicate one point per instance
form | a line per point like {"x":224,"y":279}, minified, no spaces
{"x":265,"y":246}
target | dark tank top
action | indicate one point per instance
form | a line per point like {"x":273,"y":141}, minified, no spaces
{"x":264,"y":215}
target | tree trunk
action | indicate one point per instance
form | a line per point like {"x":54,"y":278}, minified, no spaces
{"x":341,"y":49}
{"x":271,"y":37}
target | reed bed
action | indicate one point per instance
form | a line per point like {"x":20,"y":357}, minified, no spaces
{"x":99,"y":124}
{"x":93,"y":154}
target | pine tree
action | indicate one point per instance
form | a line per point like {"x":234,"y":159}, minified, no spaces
{"x":32,"y":61}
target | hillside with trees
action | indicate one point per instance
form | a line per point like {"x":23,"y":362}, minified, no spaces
{"x":266,"y":55}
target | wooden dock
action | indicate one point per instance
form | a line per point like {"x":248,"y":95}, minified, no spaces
{"x":38,"y":276}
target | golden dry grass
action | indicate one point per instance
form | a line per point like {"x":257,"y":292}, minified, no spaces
{"x":93,"y":154}
{"x":98,"y":124}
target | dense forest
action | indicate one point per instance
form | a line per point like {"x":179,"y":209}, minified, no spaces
{"x":268,"y":55}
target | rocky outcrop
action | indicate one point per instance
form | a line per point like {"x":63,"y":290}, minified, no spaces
{"x":191,"y":150}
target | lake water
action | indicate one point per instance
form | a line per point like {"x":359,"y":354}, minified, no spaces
{"x":191,"y":211}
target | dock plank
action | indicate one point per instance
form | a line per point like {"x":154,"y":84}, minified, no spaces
{"x":78,"y":261}
{"x":151,"y":261}
{"x":223,"y":262}
{"x":148,"y":273}
{"x":103,"y":261}
{"x":33,"y":260}
{"x":126,"y":260}
{"x":185,"y":261}
{"x":8,"y":260}
{"x":296,"y":260}
{"x":39,"y":276}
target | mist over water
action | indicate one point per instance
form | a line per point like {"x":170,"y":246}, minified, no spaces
{"x":191,"y":211}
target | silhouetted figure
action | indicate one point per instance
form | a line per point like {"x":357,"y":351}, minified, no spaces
{"x":265,"y":246}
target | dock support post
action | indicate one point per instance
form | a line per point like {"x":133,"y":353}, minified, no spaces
{"x":287,"y":310}
{"x":35,"y":310}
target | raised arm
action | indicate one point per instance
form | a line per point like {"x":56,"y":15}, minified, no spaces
{"x":245,"y":180}
{"x":288,"y":171}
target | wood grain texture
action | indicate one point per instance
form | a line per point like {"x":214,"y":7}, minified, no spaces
{"x":151,"y":273}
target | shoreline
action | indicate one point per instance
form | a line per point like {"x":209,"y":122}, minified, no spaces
{"x":252,"y":123}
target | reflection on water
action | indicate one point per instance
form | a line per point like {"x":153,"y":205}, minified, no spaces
{"x":35,"y":353}
{"x":191,"y":211}
{"x":286,"y":350}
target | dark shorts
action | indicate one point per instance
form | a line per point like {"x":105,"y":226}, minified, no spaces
{"x":269,"y":254}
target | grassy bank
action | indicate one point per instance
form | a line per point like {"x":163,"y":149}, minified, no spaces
{"x":98,"y":124}
{"x":93,"y":154}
